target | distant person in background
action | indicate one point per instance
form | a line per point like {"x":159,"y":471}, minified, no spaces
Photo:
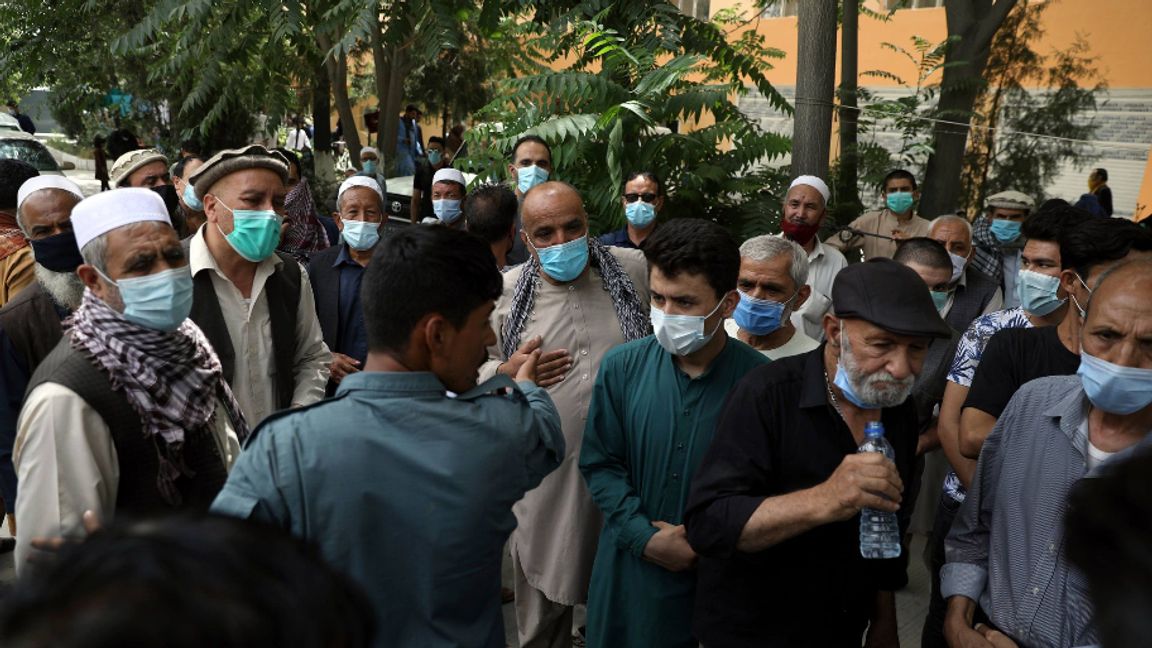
{"x":455,"y":142}
{"x":295,"y":178}
{"x":121,"y":140}
{"x":16,"y":259}
{"x":191,"y":148}
{"x":298,"y":139}
{"x":1098,"y":186}
{"x":190,"y":205}
{"x":643,"y":198}
{"x":100,"y":157}
{"x":369,"y":161}
{"x":406,"y":137}
{"x":1090,"y":204}
{"x":420,"y":207}
{"x":895,"y":221}
{"x":25,"y":121}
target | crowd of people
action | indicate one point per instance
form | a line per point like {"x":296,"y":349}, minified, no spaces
{"x":235,"y":421}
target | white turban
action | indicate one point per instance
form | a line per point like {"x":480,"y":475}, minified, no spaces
{"x":448,"y":174}
{"x":359,"y":181}
{"x":110,"y":210}
{"x":815,"y":183}
{"x":32,"y":185}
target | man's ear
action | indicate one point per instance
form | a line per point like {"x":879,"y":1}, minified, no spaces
{"x":801,"y":297}
{"x":729,"y":301}
{"x":438,"y":335}
{"x":832,"y":326}
{"x":90,"y":277}
{"x":339,"y":221}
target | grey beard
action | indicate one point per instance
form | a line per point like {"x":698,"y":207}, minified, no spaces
{"x":64,"y":287}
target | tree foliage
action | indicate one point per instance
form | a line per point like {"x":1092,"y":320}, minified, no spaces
{"x":640,"y":73}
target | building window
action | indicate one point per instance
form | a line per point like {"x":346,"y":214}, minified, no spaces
{"x":782,"y":8}
{"x":699,"y":9}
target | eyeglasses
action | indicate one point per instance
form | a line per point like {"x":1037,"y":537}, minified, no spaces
{"x":633,"y":197}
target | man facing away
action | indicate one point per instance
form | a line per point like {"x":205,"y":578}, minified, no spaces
{"x":653,"y":410}
{"x":407,"y":477}
{"x":130,"y":414}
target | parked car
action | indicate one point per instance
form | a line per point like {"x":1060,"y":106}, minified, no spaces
{"x":24,"y":147}
{"x":398,"y":192}
{"x":9,"y":123}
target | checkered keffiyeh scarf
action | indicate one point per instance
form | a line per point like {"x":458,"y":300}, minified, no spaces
{"x":634,"y":324}
{"x":989,"y":256}
{"x":305,"y":235}
{"x":173,"y":380}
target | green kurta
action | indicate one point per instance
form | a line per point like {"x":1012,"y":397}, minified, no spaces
{"x":648,"y":428}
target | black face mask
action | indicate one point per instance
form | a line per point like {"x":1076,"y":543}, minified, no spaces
{"x":58,"y":252}
{"x":171,"y":199}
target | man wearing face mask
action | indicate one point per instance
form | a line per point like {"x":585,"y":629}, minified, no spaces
{"x":336,"y":274}
{"x":1005,"y":550}
{"x":148,"y":168}
{"x":895,"y":221}
{"x":773,"y":283}
{"x":998,"y":239}
{"x":531,"y":165}
{"x":190,"y":205}
{"x":774,"y":507}
{"x":255,"y":305}
{"x":30,"y":323}
{"x":420,"y":207}
{"x":971,"y":292}
{"x":448,"y":190}
{"x":1016,"y":356}
{"x":804,"y":210}
{"x":643,"y":198}
{"x":129,"y":415}
{"x":578,"y":299}
{"x":641,"y":449}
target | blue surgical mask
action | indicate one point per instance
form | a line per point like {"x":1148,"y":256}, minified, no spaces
{"x":1037,"y":292}
{"x":564,"y":262}
{"x":640,"y":213}
{"x":160,"y":301}
{"x":190,"y":198}
{"x":958,"y":265}
{"x":841,"y":380}
{"x":682,"y":334}
{"x":940,"y":299}
{"x":370,"y":167}
{"x":900,"y":201}
{"x":446,"y":210}
{"x":530,"y":176}
{"x":433,"y":156}
{"x":1113,"y":388}
{"x":360,"y":235}
{"x":759,"y":316}
{"x":1005,"y":231}
{"x":255,"y":232}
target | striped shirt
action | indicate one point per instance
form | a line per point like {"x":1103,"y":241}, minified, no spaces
{"x":1005,"y":549}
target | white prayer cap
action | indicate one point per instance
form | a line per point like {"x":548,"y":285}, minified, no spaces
{"x":815,"y":183}
{"x":365,"y":150}
{"x":32,"y":185}
{"x":359,"y":181}
{"x":448,"y":174}
{"x":110,"y":210}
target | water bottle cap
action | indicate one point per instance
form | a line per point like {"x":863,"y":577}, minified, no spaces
{"x":873,"y":429}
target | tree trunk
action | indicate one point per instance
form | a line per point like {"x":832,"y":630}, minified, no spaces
{"x":848,"y":194}
{"x":337,"y":65}
{"x":975,"y":22}
{"x":815,"y":83}
{"x":321,"y":101}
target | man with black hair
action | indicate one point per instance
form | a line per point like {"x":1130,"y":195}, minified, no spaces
{"x":890,"y":224}
{"x":653,"y":410}
{"x":420,"y":206}
{"x":25,"y":121}
{"x":1017,"y":356}
{"x":185,"y":582}
{"x":1005,"y":550}
{"x":426,"y":549}
{"x":190,"y":205}
{"x":531,"y":164}
{"x":490,"y":213}
{"x":1044,"y":304}
{"x":16,"y":260}
{"x":578,"y":298}
{"x":642,"y":199}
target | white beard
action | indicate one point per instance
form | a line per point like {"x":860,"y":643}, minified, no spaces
{"x":64,"y":287}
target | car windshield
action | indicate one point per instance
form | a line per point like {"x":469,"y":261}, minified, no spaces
{"x":31,"y":152}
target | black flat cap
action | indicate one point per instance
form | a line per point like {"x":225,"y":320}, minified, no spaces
{"x":889,"y":295}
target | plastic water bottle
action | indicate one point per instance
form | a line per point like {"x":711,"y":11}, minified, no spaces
{"x":879,"y":530}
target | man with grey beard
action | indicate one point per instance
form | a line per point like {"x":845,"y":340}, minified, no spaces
{"x":30,"y":322}
{"x":774,"y":509}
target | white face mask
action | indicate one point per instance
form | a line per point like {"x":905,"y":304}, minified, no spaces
{"x":682,"y":334}
{"x":958,"y":265}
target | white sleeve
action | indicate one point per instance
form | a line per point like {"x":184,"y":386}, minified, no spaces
{"x":313,"y":358}
{"x":66,"y":464}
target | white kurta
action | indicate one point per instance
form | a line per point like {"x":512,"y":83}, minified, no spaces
{"x":559,"y":524}
{"x":66,"y":463}
{"x":824,"y":263}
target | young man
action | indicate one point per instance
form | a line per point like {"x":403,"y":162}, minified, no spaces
{"x":653,"y":410}
{"x":895,"y":221}
{"x":406,"y":488}
{"x":643,"y":198}
{"x":490,"y":213}
{"x":420,"y":206}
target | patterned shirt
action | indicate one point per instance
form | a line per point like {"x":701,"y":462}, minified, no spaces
{"x":1005,"y":549}
{"x":968,"y":354}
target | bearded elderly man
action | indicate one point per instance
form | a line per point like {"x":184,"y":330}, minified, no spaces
{"x":579,"y":299}
{"x":129,"y":414}
{"x":805,"y":208}
{"x":774,"y":507}
{"x":30,"y":323}
{"x":1006,"y":547}
{"x":254,"y":304}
